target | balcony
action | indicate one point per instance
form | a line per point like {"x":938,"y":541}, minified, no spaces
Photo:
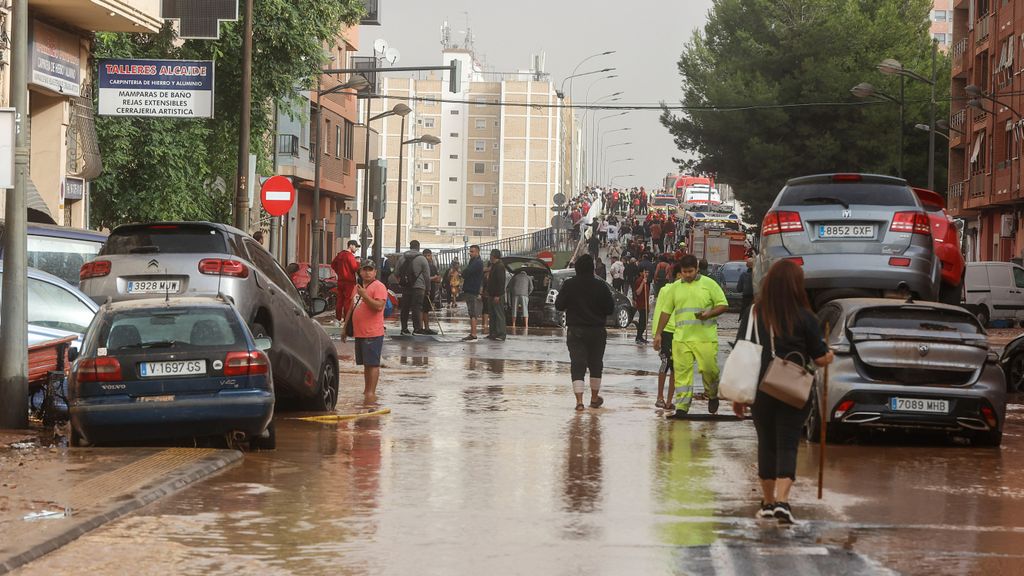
{"x":983,"y":31}
{"x":957,"y":128}
{"x":288,"y":145}
{"x":957,"y":54}
{"x":372,"y":17}
{"x":955,"y":199}
{"x":978,"y":187}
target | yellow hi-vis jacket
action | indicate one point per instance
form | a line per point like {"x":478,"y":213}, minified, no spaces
{"x":685,"y":301}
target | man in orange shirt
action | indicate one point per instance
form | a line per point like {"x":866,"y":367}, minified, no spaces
{"x":346,"y":267}
{"x":368,"y":327}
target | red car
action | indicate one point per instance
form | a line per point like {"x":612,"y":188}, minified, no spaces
{"x":946,"y":238}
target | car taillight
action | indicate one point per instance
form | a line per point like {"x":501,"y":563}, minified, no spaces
{"x":246,"y":363}
{"x":913,"y":222}
{"x":847,"y":178}
{"x":899,"y":261}
{"x":94,"y":269}
{"x":989,"y":415}
{"x":780,"y":222}
{"x":221,"y":267}
{"x":796,"y":260}
{"x":842,"y":409}
{"x":98,"y":370}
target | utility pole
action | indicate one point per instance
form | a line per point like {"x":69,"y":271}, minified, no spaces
{"x":14,"y":315}
{"x":241,"y":219}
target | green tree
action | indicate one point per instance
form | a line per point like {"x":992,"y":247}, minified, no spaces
{"x":168,"y":169}
{"x":766,"y":87}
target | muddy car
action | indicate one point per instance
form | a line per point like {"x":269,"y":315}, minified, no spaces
{"x":908,"y":365}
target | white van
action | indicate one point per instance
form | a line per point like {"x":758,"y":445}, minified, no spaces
{"x":995,"y":290}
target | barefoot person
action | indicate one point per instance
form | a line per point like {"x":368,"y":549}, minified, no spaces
{"x":368,"y":327}
{"x":587,"y":303}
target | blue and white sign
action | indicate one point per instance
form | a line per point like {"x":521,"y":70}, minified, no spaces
{"x":157,"y":88}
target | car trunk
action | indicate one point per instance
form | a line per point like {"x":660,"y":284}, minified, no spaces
{"x":538,"y":271}
{"x":918,"y":346}
{"x":833,"y":229}
{"x":136,"y":384}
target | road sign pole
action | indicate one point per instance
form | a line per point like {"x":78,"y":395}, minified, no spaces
{"x":242,"y":179}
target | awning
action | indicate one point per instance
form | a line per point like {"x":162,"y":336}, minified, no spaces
{"x":977,"y":147}
{"x":38,"y":211}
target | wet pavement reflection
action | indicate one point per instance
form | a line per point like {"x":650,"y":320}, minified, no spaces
{"x":483,"y":467}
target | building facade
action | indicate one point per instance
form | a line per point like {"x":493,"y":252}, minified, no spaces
{"x":942,"y":23}
{"x":65,"y":154}
{"x":985,"y":137}
{"x":501,"y":160}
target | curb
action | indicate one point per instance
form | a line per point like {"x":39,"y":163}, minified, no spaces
{"x":176,"y":481}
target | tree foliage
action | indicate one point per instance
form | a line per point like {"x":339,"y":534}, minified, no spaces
{"x":170,"y":169}
{"x":758,"y":54}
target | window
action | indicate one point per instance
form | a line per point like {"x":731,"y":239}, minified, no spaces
{"x":454,"y":112}
{"x":478,"y":190}
{"x":51,"y":306}
{"x":453,"y":179}
{"x":1008,"y":143}
{"x":478,"y":213}
{"x":428,"y":189}
{"x":1018,"y":277}
{"x":453,"y":201}
{"x":350,"y":136}
{"x":494,"y":146}
{"x":494,"y":168}
{"x":479,"y":168}
{"x":938,"y":15}
{"x":428,"y":122}
{"x":479,"y":145}
{"x":454,"y":134}
{"x":480,"y":102}
{"x":327,"y":137}
{"x":427,"y":212}
{"x":453,"y":156}
{"x":272,"y":270}
{"x":188,"y":328}
{"x":497,"y":124}
{"x":427,"y":146}
{"x":453,"y":223}
{"x":428,"y":167}
{"x":61,"y":257}
{"x":940,"y":37}
{"x":481,"y":123}
{"x":337,"y":141}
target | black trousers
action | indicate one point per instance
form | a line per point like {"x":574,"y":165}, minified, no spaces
{"x":778,"y":428}
{"x":586,"y":350}
{"x":412,"y":303}
{"x":641,"y":323}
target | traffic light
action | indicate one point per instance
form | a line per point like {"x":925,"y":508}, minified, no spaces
{"x":455,"y":78}
{"x":378,"y":188}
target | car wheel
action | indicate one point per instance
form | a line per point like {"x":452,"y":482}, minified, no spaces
{"x":258,"y":331}
{"x":622,"y":319}
{"x":327,"y":390}
{"x":812,"y":430}
{"x":991,"y":439}
{"x":1015,"y":373}
{"x":74,"y":438}
{"x":982,"y":314}
{"x":265,"y":443}
{"x":560,"y":320}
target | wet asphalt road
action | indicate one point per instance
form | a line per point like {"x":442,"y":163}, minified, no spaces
{"x":483,"y":467}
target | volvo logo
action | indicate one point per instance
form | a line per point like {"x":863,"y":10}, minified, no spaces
{"x":847,"y":214}
{"x":153,"y":263}
{"x":923,"y":350}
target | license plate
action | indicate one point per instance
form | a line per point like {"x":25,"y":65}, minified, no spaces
{"x":161,"y":398}
{"x":846,"y":231}
{"x":172,"y":368}
{"x":153,"y":286}
{"x":929,"y":406}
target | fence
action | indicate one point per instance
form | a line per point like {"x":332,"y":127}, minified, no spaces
{"x":525,"y":245}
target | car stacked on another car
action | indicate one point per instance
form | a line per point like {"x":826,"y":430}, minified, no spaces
{"x":856,"y":235}
{"x":176,"y":259}
{"x":621,"y":318}
{"x":59,"y":250}
{"x":171,"y":368}
{"x":908,"y":365}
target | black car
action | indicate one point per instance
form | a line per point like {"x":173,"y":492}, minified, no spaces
{"x":622,"y":317}
{"x":1012,"y":363}
{"x":171,"y":368}
{"x":541,"y":275}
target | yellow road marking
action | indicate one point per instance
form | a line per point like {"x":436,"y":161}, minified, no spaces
{"x":331,"y":418}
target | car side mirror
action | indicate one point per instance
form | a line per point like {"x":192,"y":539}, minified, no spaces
{"x":72,"y":354}
{"x":264,"y":344}
{"x":317,"y":307}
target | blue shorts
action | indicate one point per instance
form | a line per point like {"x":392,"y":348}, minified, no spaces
{"x":368,"y":351}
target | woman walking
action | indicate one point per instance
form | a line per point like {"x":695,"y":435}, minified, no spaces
{"x":783,"y":316}
{"x":641,"y":301}
{"x":587,"y":303}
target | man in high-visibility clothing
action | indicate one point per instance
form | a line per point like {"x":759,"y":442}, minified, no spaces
{"x":665,"y":352}
{"x":693,"y":304}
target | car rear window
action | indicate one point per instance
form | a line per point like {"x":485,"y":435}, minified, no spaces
{"x":852,"y":193}
{"x":166,"y":239}
{"x":171,"y":328}
{"x":62,"y":257}
{"x":916,"y":319}
{"x":732,"y":273}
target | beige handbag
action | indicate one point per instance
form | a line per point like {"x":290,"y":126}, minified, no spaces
{"x":787,"y":381}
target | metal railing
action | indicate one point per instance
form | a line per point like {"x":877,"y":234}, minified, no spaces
{"x":958,"y":50}
{"x":288,"y":145}
{"x":526,"y":245}
{"x":958,"y":121}
{"x":982,"y":28}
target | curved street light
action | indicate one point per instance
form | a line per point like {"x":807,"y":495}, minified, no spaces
{"x":425,"y":139}
{"x":865,"y":90}
{"x":402,"y":110}
{"x":892,"y":66}
{"x":614,"y":178}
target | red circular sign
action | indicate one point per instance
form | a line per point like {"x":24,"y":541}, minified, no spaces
{"x":546,"y":257}
{"x":277,"y":195}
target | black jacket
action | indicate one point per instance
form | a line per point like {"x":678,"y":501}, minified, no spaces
{"x":585,"y":301}
{"x":496,"y":279}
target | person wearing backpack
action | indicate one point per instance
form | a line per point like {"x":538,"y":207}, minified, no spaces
{"x":412,"y":274}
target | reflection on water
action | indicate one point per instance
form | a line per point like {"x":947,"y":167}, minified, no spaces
{"x":581,"y":480}
{"x":685,"y":484}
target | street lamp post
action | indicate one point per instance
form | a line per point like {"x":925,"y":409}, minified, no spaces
{"x":357,"y":83}
{"x":378,"y":220}
{"x":600,"y":146}
{"x":614,"y":178}
{"x":426,"y":139}
{"x":589,"y":136}
{"x":891,"y":66}
{"x":865,"y":90}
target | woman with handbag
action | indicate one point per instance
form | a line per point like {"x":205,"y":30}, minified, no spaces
{"x":790,"y":335}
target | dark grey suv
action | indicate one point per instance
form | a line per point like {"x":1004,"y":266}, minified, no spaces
{"x":855,"y":235}
{"x":168,"y":259}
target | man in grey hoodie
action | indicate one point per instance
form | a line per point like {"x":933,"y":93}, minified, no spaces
{"x":412,"y":273}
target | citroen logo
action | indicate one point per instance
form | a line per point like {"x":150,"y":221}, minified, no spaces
{"x":847,"y":214}
{"x":153,"y":263}
{"x":923,"y":350}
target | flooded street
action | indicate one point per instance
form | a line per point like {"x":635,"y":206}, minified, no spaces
{"x":483,"y":467}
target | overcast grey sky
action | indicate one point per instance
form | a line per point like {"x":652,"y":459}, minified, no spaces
{"x":647,"y":35}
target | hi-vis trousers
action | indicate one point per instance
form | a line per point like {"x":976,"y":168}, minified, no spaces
{"x":683,"y":356}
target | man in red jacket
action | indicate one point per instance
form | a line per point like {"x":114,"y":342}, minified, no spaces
{"x":346,"y":267}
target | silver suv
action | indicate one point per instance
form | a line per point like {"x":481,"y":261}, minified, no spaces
{"x":168,"y":259}
{"x":855,"y":235}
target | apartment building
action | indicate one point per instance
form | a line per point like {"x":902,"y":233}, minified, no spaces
{"x":985,"y":139}
{"x":65,"y":154}
{"x":500,"y":162}
{"x":942,"y":23}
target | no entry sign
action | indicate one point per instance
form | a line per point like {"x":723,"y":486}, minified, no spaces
{"x":277,"y":195}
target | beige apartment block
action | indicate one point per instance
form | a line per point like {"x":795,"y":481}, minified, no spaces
{"x":505,"y":152}
{"x":65,"y":155}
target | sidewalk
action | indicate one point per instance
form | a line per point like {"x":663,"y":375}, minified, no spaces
{"x":50,"y":496}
